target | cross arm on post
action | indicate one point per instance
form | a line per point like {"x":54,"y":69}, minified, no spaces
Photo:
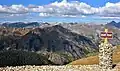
{"x":106,"y":35}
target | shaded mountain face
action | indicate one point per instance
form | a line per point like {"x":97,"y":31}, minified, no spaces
{"x":53,"y":42}
{"x":59,"y":40}
{"x":114,"y":24}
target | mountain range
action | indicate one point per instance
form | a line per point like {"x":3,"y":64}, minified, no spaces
{"x":23,"y":24}
{"x":60,"y":44}
{"x":38,"y":24}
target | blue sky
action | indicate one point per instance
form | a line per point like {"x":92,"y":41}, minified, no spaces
{"x":60,"y":10}
{"x":95,"y":3}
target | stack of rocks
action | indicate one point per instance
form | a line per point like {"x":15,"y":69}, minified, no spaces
{"x":105,"y":56}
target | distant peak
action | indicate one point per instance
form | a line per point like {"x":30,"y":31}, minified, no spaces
{"x":112,"y":22}
{"x":115,"y":24}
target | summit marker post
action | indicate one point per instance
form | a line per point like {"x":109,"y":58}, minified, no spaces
{"x":106,"y":35}
{"x":105,"y":51}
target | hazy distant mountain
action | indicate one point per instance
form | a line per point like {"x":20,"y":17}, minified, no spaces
{"x":21,"y":24}
{"x":113,"y":23}
{"x":92,"y":31}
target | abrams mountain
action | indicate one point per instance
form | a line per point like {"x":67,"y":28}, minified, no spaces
{"x":59,"y":40}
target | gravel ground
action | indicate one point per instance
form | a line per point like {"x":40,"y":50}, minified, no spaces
{"x":54,"y":68}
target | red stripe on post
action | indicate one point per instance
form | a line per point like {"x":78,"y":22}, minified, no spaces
{"x":103,"y":33}
{"x":106,"y":35}
{"x":109,"y":33}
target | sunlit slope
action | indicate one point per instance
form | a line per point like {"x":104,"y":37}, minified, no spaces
{"x":95,"y":59}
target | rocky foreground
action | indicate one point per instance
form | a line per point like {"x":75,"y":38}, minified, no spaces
{"x":55,"y":68}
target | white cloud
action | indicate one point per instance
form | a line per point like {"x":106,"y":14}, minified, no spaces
{"x":76,"y":9}
{"x":65,"y":9}
{"x":18,"y":9}
{"x":44,"y":14}
{"x":110,"y":10}
{"x":32,"y":6}
{"x":83,"y":16}
{"x":109,"y":18}
{"x":14,"y":9}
